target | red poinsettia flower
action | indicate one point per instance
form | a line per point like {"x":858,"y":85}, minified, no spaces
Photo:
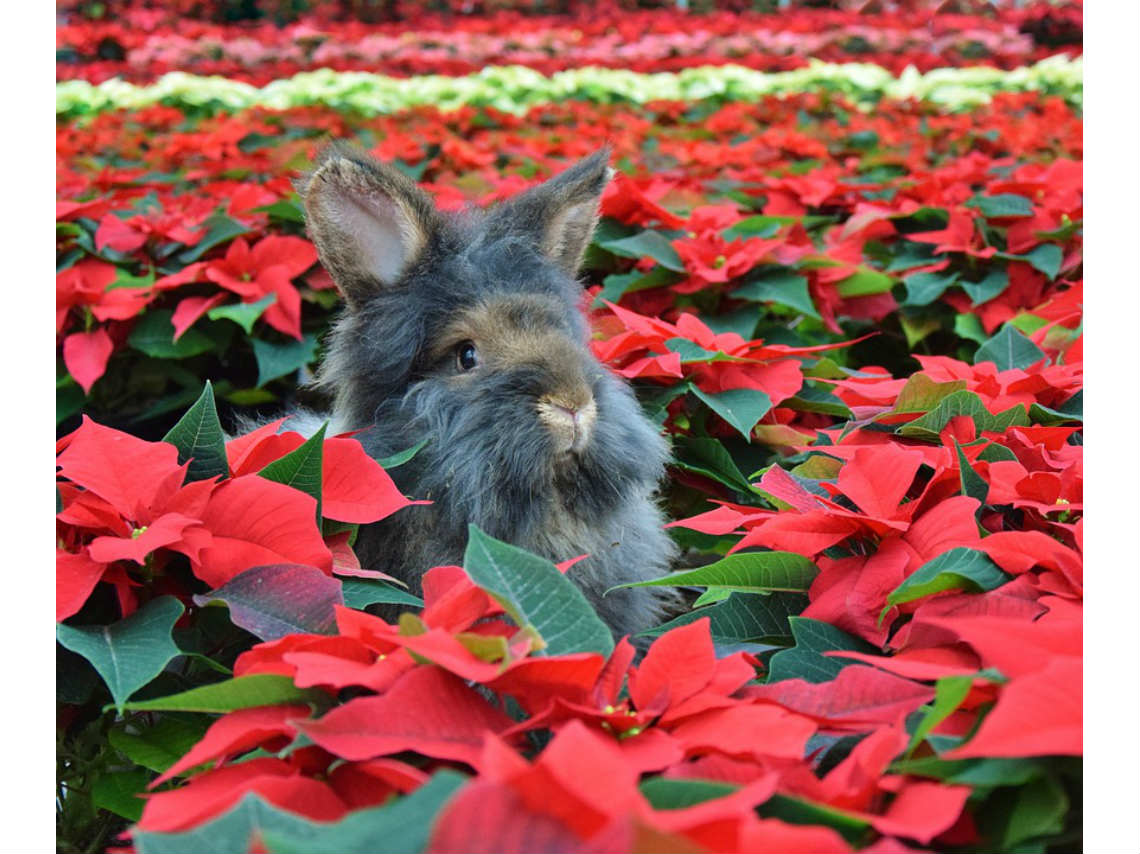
{"x":267,"y":268}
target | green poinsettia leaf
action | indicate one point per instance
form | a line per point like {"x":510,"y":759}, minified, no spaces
{"x":199,"y":438}
{"x":806,"y":660}
{"x":1009,"y":349}
{"x":241,"y":692}
{"x":754,"y":572}
{"x":536,"y":594}
{"x":740,"y":407}
{"x":129,"y":653}
{"x":957,"y":569}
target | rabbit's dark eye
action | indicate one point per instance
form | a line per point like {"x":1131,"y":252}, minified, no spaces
{"x":466,"y":356}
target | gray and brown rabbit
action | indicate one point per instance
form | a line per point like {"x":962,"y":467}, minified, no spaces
{"x":465,"y":330}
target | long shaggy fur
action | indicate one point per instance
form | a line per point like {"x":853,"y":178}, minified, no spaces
{"x":488,"y":459}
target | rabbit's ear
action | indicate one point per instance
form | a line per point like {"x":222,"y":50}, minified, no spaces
{"x":369,"y":221}
{"x":561,"y":212}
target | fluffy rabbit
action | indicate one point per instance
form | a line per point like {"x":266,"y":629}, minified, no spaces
{"x":465,"y":330}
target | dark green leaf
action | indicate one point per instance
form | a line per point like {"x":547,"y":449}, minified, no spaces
{"x":973,"y":484}
{"x":995,"y":452}
{"x":980,"y":773}
{"x":244,"y":314}
{"x":712,"y":594}
{"x":276,"y":360}
{"x":797,"y":810}
{"x":761,"y":225}
{"x":708,"y":457}
{"x":756,"y":226}
{"x":131,"y":652}
{"x":740,"y":320}
{"x":918,"y":327}
{"x":691,"y":352}
{"x":865,"y":140}
{"x":535,"y":593}
{"x":415,"y":171}
{"x":664,"y":793}
{"x":178,"y":401}
{"x":909,"y":254}
{"x":118,"y":792}
{"x":249,"y":396}
{"x":805,"y":660}
{"x":964,"y":403}
{"x":647,"y":244}
{"x":780,"y":286}
{"x":968,"y":326}
{"x":1074,"y":406}
{"x":154,"y":335}
{"x":1004,"y":205}
{"x":744,"y":617}
{"x":740,"y":407}
{"x":1038,"y":809}
{"x":654,"y":401}
{"x":753,"y":572}
{"x":233,"y":831}
{"x":286,"y":210}
{"x":403,"y":456}
{"x":1071,"y":410}
{"x":69,"y":399}
{"x":617,"y":285}
{"x":124,"y":279}
{"x":301,"y":468}
{"x":75,"y":678}
{"x":994,"y":283}
{"x":1009,"y":349}
{"x":609,"y":229}
{"x":402,"y":824}
{"x":199,"y":438}
{"x":1046,"y":258}
{"x":921,"y":393}
{"x":864,"y":283}
{"x":925,"y":288}
{"x":361,"y":592}
{"x":219,"y":229}
{"x":159,"y":746}
{"x":812,"y":398}
{"x":1064,"y":232}
{"x":242,"y":692}
{"x":957,"y":569}
{"x":949,"y":692}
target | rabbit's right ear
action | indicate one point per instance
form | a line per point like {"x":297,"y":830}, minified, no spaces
{"x":369,"y":221}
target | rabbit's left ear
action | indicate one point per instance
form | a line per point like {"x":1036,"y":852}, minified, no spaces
{"x":562,"y":212}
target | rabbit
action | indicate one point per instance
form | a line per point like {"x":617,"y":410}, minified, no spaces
{"x":465,"y":330}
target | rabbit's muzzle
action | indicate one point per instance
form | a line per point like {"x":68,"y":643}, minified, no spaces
{"x":571,"y":423}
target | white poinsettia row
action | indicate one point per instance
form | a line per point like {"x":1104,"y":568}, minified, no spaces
{"x":515,"y":88}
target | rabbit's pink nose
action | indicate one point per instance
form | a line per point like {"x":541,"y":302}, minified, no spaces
{"x":570,"y":426}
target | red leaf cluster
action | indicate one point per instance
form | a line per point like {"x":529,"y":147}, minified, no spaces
{"x":127,"y":510}
{"x":601,"y":35}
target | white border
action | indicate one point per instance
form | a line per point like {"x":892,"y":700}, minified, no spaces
{"x":27,"y":784}
{"x":1112,"y":318}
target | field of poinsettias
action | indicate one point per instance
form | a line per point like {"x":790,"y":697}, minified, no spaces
{"x":849,"y":294}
